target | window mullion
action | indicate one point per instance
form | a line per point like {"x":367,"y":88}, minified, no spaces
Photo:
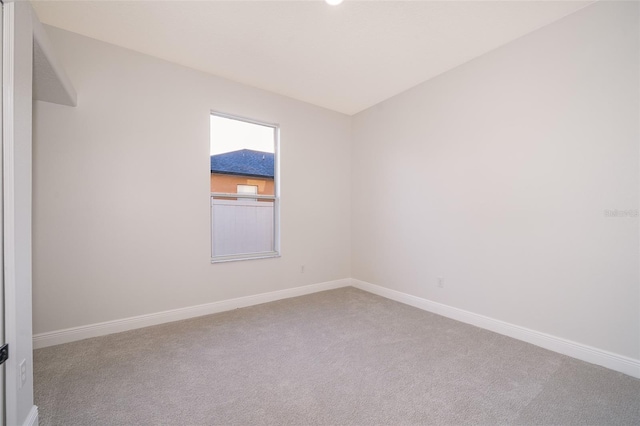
{"x":241,"y":195}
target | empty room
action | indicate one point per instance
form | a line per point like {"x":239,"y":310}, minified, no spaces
{"x":321,"y":212}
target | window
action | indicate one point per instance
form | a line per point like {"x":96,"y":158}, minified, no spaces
{"x":247,"y":189}
{"x":244,"y":189}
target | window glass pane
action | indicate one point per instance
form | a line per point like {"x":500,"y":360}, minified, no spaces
{"x":242,"y":226}
{"x":243,"y":158}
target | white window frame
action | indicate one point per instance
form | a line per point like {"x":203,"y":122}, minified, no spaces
{"x":275,"y":197}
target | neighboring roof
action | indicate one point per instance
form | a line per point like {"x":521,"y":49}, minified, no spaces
{"x":244,"y":162}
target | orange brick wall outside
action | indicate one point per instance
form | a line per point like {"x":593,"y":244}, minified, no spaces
{"x":228,"y":183}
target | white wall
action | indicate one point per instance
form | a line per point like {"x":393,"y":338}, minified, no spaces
{"x":495,"y":176}
{"x":17,"y":22}
{"x":121,"y":190}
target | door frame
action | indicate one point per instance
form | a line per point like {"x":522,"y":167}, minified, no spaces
{"x":17,"y":87}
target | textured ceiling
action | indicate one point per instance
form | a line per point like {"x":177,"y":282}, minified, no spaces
{"x":345,"y":58}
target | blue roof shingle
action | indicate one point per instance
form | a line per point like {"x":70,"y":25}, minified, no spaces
{"x":244,"y":162}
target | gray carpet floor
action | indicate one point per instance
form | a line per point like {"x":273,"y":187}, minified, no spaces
{"x":339,"y":357}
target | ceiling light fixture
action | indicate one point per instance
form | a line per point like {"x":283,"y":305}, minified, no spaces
{"x":333,"y":2}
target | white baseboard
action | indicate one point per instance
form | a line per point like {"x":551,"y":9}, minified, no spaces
{"x":566,"y":347}
{"x":32,"y":417}
{"x":58,"y":337}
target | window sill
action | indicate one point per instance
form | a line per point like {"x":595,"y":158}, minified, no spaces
{"x":248,"y":256}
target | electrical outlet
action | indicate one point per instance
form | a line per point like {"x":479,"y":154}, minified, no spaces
{"x":22,"y":369}
{"x":440,"y":282}
{"x":302,"y":269}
